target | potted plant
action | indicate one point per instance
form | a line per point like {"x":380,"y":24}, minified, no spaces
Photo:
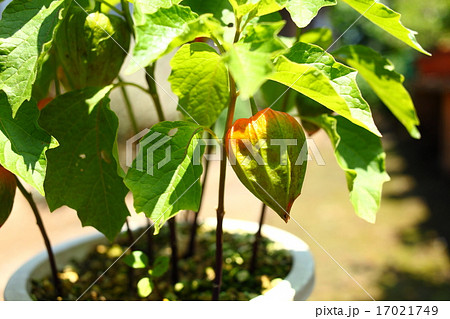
{"x":59,"y":134}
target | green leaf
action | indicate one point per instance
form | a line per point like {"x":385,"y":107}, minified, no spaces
{"x":200,"y":79}
{"x":323,"y":37}
{"x":303,"y":11}
{"x":160,"y":266}
{"x":26,"y":28}
{"x":249,"y":60}
{"x":82,"y":172}
{"x":144,"y":287}
{"x":136,"y":260}
{"x":311,"y":71}
{"x":361,"y":156}
{"x":23,"y":143}
{"x":387,"y":19}
{"x":270,"y":6}
{"x":143,"y":7}
{"x":243,"y":7}
{"x":216,"y":7}
{"x":160,"y":32}
{"x":386,"y":83}
{"x":164,"y":177}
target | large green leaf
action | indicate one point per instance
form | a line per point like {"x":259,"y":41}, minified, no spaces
{"x":387,"y":84}
{"x":249,"y":60}
{"x":311,"y":71}
{"x":386,"y":19}
{"x":82,"y":172}
{"x":23,"y":143}
{"x":164,"y":177}
{"x":200,"y":79}
{"x":26,"y":28}
{"x":303,"y":11}
{"x":160,"y":32}
{"x":360,"y":154}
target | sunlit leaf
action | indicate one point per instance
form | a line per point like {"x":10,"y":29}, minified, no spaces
{"x":387,"y":19}
{"x":200,"y":79}
{"x":386,"y":83}
{"x":311,"y":71}
{"x":26,"y":29}
{"x":164,"y":177}
{"x":360,"y":154}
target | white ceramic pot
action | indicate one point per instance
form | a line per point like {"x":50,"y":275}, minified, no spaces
{"x":298,"y":284}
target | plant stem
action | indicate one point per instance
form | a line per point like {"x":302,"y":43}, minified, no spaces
{"x":127,"y":15}
{"x":129,"y":107}
{"x":220,"y":211}
{"x":150,"y":78}
{"x":130,"y":269}
{"x":221,"y":206}
{"x":122,"y":83}
{"x":174,"y":248}
{"x":57,"y":84}
{"x":98,"y":6}
{"x":149,"y":237}
{"x":51,"y":257}
{"x":287,"y":96}
{"x":257,"y":241}
{"x":110,"y":6}
{"x":191,"y":248}
{"x":253,"y":106}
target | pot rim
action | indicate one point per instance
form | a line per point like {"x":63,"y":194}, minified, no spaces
{"x":297,"y":285}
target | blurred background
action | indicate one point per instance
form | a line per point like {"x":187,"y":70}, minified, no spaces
{"x":405,"y":255}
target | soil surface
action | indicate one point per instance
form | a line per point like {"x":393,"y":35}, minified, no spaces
{"x":151,"y":279}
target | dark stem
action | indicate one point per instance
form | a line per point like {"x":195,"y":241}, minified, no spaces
{"x":149,"y":237}
{"x":253,"y":106}
{"x":129,"y":232}
{"x":57,"y":84}
{"x":98,"y":6}
{"x":129,"y":107}
{"x":287,"y":96}
{"x":221,"y":206}
{"x":192,"y":239}
{"x":174,"y":248}
{"x":220,"y":212}
{"x":110,"y":6}
{"x":150,"y":78}
{"x":257,"y":241}
{"x":126,"y":12}
{"x":48,"y":246}
{"x":130,"y":269}
{"x":132,"y":117}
